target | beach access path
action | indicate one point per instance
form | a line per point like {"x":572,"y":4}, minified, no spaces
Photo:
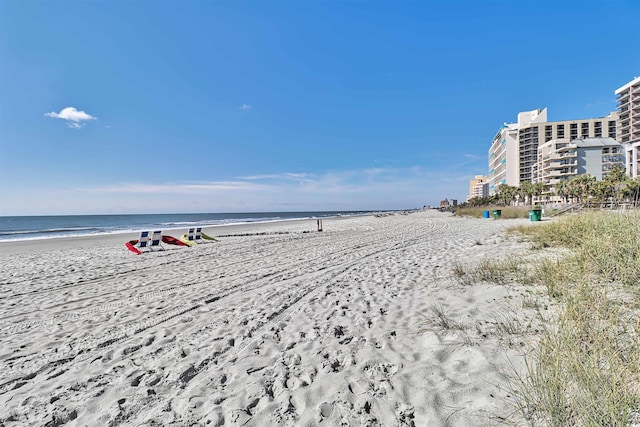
{"x":274,"y":324}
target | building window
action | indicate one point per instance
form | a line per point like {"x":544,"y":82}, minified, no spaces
{"x":612,"y":128}
{"x":597,"y":129}
{"x":573,"y":131}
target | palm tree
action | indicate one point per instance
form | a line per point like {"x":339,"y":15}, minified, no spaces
{"x":506,"y":194}
{"x":573,"y":189}
{"x":613,"y":184}
{"x":631,"y":191}
{"x":584,"y":186}
{"x":525,"y":190}
{"x":617,"y":174}
{"x":539,"y":188}
{"x":562,"y":190}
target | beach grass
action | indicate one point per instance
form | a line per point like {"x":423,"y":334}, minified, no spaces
{"x":441,"y":318}
{"x":490,"y":270}
{"x":585,"y":369}
{"x":506,"y":212}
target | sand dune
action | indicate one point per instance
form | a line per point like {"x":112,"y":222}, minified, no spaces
{"x":281,"y":325}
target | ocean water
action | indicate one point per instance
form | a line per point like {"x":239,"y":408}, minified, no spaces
{"x":45,"y":227}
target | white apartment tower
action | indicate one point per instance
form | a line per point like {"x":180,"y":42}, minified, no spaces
{"x":629,"y":124}
{"x":503,"y":158}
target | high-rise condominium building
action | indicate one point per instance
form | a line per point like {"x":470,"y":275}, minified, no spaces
{"x":629,"y":124}
{"x":561,"y":159}
{"x":514,"y":150}
{"x":532,"y":135}
{"x":503,"y":158}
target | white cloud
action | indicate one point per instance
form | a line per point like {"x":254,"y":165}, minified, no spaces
{"x":383,"y":187}
{"x":280,"y":176}
{"x":245,"y":107}
{"x":73,"y":117}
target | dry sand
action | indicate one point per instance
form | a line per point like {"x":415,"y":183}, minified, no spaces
{"x":281,"y":325}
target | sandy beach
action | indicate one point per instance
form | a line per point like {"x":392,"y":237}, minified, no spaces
{"x":273,"y":325}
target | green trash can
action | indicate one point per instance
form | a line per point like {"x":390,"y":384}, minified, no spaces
{"x":535,"y":214}
{"x":496,"y":213}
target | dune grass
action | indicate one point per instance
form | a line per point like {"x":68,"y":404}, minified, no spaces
{"x":498,"y":271}
{"x":585,"y":370}
{"x":507,"y":212}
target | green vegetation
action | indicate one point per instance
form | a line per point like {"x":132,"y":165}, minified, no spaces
{"x":586,"y":367}
{"x":583,"y":363}
{"x":489,"y":270}
{"x":478,"y":212}
{"x":615,"y":188}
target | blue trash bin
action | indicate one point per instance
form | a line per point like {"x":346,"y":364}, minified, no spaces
{"x":486,"y":214}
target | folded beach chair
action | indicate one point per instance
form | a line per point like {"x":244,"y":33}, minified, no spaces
{"x":201,"y":237}
{"x":197,"y":236}
{"x":190,"y":237}
{"x":143,"y":242}
{"x":156,"y":240}
{"x":137,"y":246}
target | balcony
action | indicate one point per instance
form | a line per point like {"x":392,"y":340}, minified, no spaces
{"x":552,"y":181}
{"x":562,"y":155}
{"x":558,"y":165}
{"x":558,"y":173}
{"x":494,"y":164}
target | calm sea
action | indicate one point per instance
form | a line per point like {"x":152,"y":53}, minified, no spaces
{"x":45,"y":227}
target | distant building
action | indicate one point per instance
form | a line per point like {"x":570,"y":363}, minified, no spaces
{"x":514,"y":150}
{"x":561,"y":159}
{"x":477,"y":187}
{"x":444,"y":204}
{"x":629,"y":124}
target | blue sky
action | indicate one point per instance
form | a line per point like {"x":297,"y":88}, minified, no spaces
{"x":227,"y":106}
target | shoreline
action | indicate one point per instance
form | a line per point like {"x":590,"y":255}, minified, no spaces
{"x":291,"y":327}
{"x":85,"y":227}
{"x":9,"y":247}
